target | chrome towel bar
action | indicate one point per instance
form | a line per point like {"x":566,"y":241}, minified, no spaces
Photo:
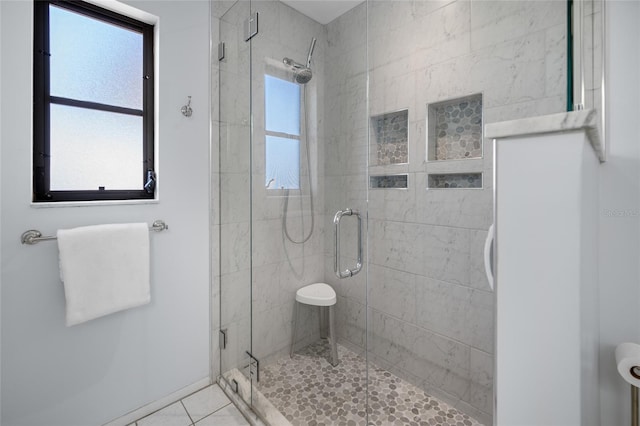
{"x":33,"y":236}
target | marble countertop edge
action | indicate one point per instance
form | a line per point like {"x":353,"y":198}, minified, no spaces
{"x":586,"y":120}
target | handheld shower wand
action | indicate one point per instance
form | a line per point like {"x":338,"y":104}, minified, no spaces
{"x":313,"y":45}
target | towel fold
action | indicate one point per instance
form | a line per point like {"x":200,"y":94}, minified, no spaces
{"x":105,"y":269}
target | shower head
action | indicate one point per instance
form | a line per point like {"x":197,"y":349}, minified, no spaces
{"x":302,"y":73}
{"x":303,"y":76}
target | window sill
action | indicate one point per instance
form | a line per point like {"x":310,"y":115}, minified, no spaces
{"x":45,"y":205}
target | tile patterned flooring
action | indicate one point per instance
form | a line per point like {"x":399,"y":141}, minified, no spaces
{"x":307,"y":390}
{"x":207,"y":407}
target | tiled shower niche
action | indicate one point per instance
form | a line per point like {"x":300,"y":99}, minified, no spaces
{"x":391,"y":133}
{"x":455,"y":129}
{"x":388,"y":181}
{"x":455,"y":181}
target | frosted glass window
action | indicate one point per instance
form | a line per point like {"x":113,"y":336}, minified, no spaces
{"x":95,"y":149}
{"x":282,"y":163}
{"x":95,"y":61}
{"x":93,"y":121}
{"x":282,"y":106}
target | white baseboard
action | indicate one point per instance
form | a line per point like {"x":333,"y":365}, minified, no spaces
{"x":160,"y":403}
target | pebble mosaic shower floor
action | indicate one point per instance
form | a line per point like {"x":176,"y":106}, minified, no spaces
{"x":307,"y":390}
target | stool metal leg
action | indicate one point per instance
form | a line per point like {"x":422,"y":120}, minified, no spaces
{"x":323,"y":321}
{"x":294,"y":328}
{"x":634,"y":405}
{"x":332,"y":336}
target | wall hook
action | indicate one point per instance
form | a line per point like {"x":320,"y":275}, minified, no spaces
{"x":186,"y":110}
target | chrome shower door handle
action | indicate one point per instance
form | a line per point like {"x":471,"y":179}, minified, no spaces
{"x":336,"y":222}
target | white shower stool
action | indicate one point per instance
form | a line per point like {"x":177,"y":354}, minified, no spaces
{"x":323,"y":296}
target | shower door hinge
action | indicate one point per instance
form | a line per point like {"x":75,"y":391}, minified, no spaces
{"x":221,"y":51}
{"x":222,"y":338}
{"x":251,"y":26}
{"x":254,"y":367}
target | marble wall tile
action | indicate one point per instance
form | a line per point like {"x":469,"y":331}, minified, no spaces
{"x":445,"y":80}
{"x":439,"y":361}
{"x":271,"y":331}
{"x":270,"y":246}
{"x":235,"y":292}
{"x":234,"y":98}
{"x":221,"y":7}
{"x":459,"y":312}
{"x":415,"y":32}
{"x":234,"y":148}
{"x":481,"y":367}
{"x":418,"y":142}
{"x":453,"y":166}
{"x":425,"y":7}
{"x":494,"y":21}
{"x":393,"y":292}
{"x":235,"y":251}
{"x":388,"y":15}
{"x":456,"y":46}
{"x":344,"y":64}
{"x":351,"y":320}
{"x":276,"y":284}
{"x":510,"y":72}
{"x":556,"y":61}
{"x":481,"y":389}
{"x":387,"y":46}
{"x":392,"y":93}
{"x":296,"y":31}
{"x":234,"y":197}
{"x":530,"y":108}
{"x":395,"y":204}
{"x":433,"y":251}
{"x":441,"y":25}
{"x":349,"y":30}
{"x":461,"y":209}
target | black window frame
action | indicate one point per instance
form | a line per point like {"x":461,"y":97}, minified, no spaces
{"x":42,"y":100}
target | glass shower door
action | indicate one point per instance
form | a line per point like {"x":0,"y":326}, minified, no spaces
{"x":234,"y":212}
{"x":308,"y":162}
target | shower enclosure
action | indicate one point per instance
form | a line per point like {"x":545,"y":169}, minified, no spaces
{"x":379,"y":112}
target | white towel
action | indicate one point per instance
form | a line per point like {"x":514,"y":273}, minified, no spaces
{"x":105,"y":269}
